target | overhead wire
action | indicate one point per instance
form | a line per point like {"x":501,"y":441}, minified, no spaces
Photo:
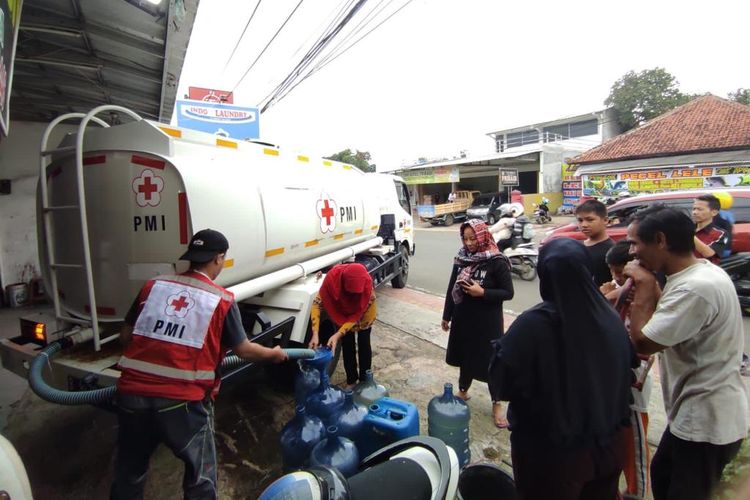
{"x":242,"y":35}
{"x":277,"y":96}
{"x":313,"y":52}
{"x":252,"y":65}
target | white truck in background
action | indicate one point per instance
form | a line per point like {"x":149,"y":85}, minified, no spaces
{"x":117,"y":206}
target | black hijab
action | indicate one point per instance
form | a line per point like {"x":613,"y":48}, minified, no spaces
{"x":564,"y":364}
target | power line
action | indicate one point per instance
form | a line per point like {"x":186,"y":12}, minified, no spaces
{"x":267,"y":45}
{"x":277,"y":97}
{"x":242,"y":35}
{"x":311,"y":54}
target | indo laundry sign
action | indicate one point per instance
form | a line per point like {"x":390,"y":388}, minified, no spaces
{"x":220,"y":119}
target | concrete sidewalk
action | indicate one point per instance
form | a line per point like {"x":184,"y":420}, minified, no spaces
{"x":418,"y":313}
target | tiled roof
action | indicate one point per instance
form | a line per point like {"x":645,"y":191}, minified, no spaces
{"x":707,"y":123}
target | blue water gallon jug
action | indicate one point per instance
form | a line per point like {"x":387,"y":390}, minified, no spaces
{"x":388,"y":420}
{"x":326,"y":401}
{"x":351,"y":418}
{"x":298,"y":437}
{"x":448,"y":420}
{"x":368,"y":391}
{"x":307,"y":381}
{"x":336,"y":451}
{"x":321,"y":360}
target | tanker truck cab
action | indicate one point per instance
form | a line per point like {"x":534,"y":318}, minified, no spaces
{"x":147,"y":188}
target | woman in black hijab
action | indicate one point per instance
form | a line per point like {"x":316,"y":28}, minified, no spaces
{"x":564,"y":365}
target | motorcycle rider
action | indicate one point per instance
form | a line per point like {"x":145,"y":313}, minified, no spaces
{"x":502,"y":230}
{"x":522,"y":230}
{"x":542,"y":214}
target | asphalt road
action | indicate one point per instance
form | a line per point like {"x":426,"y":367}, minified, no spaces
{"x":430,"y":268}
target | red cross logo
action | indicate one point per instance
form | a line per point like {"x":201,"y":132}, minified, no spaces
{"x":326,"y":208}
{"x":147,"y":188}
{"x":179,"y":304}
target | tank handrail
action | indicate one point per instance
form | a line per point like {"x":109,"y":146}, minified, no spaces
{"x":275,"y":279}
{"x":90,"y":116}
{"x":43,"y":164}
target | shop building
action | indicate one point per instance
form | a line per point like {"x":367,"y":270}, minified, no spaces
{"x":704,"y":143}
{"x":538,"y":152}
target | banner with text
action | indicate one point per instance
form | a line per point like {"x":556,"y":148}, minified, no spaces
{"x":666,"y":179}
{"x":435,"y":175}
{"x":571,"y":187}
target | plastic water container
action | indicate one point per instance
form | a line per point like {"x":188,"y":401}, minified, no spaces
{"x":298,"y":437}
{"x":388,"y":420}
{"x":368,"y":391}
{"x":448,"y":420}
{"x":307,"y":381}
{"x":351,"y":418}
{"x":485,"y":482}
{"x":336,"y":451}
{"x":326,"y":401}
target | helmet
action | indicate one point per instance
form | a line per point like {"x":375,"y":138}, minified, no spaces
{"x":545,"y":200}
{"x":504,"y":210}
{"x":725,"y":199}
{"x":623,"y":194}
{"x":516,"y":209}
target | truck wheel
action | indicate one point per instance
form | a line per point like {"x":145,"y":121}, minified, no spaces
{"x":400,"y":280}
{"x":448,"y":220}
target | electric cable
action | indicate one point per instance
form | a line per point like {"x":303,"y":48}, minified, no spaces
{"x":242,"y":35}
{"x":267,"y":45}
{"x":278,"y":96}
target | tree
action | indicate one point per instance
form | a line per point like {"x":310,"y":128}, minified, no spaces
{"x":741,"y":96}
{"x":638,"y":97}
{"x":360,"y":159}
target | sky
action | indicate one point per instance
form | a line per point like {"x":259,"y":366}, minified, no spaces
{"x":440,"y":74}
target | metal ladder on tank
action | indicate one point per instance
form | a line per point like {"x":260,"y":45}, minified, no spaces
{"x":48,"y":212}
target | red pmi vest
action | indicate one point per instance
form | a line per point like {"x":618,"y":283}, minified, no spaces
{"x":176,"y":344}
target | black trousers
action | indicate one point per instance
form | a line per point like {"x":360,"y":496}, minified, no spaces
{"x":349,"y":347}
{"x":185,"y":427}
{"x":543,"y":473}
{"x":688,"y":470}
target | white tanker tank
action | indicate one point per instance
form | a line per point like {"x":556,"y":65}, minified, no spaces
{"x":149,"y":187}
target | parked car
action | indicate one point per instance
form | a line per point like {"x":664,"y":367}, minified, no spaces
{"x":486,"y":206}
{"x":620,"y":213}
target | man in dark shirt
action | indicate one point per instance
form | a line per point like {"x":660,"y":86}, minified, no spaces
{"x":710,"y":240}
{"x":592,"y":221}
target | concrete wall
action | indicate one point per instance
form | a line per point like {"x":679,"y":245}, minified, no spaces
{"x":19,"y":162}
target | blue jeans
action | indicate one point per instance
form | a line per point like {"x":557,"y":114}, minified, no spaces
{"x":185,"y":427}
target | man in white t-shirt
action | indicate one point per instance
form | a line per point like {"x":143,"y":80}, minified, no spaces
{"x":696,"y":324}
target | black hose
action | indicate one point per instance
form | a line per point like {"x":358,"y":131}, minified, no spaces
{"x":105,"y":394}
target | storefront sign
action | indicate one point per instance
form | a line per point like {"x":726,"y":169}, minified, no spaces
{"x":508,"y":177}
{"x":435,"y":175}
{"x":571,"y":187}
{"x":666,"y":179}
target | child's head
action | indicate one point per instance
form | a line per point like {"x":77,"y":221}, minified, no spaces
{"x":616,"y":258}
{"x":592,"y":218}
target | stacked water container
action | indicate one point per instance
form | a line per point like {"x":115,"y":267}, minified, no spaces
{"x":338,"y":428}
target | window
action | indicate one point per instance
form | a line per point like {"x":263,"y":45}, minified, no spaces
{"x":522,"y":138}
{"x":403,"y":196}
{"x":555,"y":133}
{"x":579,"y":129}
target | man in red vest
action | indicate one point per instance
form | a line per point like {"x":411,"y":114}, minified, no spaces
{"x":175,"y":336}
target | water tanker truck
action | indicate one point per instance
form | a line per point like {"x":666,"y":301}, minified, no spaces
{"x":117,"y":205}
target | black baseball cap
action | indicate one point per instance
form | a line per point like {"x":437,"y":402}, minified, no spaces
{"x":205,"y":245}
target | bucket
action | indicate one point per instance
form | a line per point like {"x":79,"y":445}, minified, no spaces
{"x":17,"y":294}
{"x":485,"y":482}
